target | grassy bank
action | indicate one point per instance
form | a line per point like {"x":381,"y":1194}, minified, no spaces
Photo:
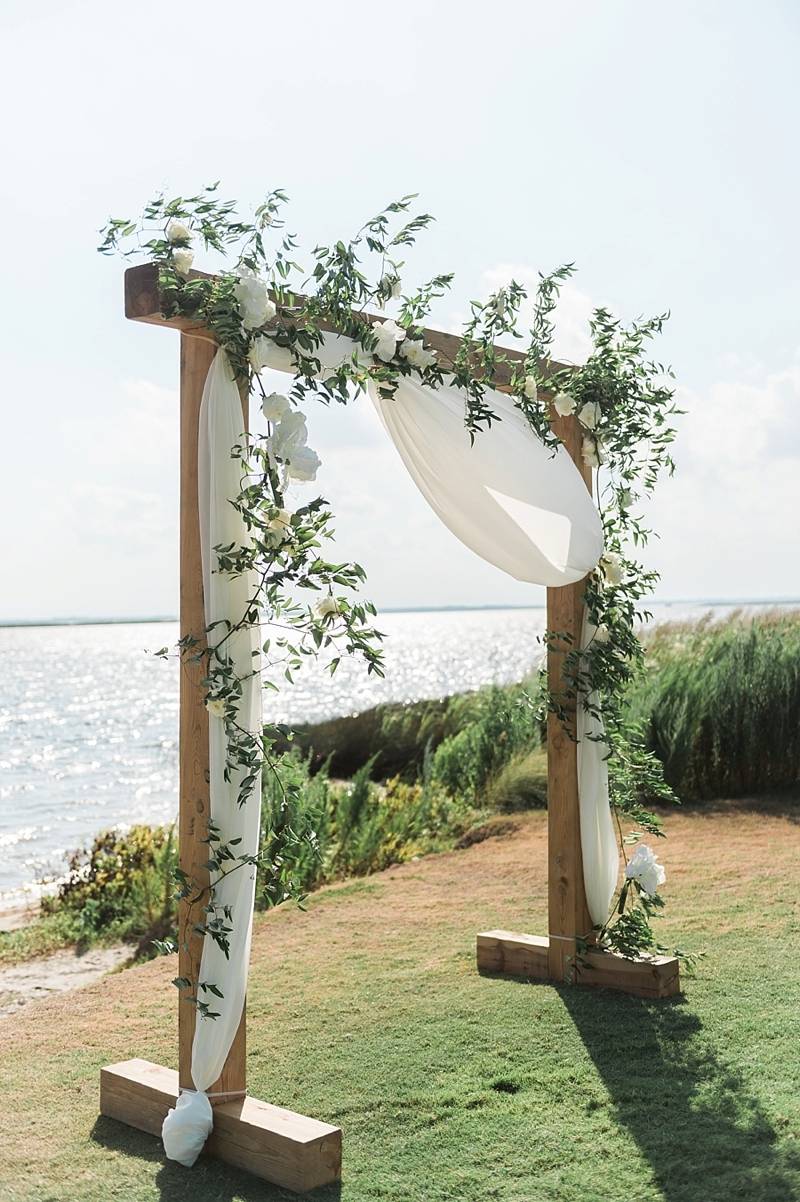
{"x":719,"y":703}
{"x":366,"y":1011}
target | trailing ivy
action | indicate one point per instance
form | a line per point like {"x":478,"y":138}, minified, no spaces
{"x":265,"y":308}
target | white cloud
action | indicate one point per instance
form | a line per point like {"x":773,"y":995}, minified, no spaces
{"x":728,"y":520}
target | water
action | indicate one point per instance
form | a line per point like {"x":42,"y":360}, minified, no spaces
{"x":89,"y":721}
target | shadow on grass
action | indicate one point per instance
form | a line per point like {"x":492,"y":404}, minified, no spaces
{"x":208,"y":1181}
{"x":692,"y":1116}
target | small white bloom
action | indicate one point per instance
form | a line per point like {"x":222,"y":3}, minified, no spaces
{"x":602,"y":634}
{"x":326,"y":606}
{"x":304,"y":464}
{"x":251,"y":296}
{"x":388,"y":334}
{"x":178,"y":232}
{"x":612,"y":567}
{"x":418,"y":355}
{"x":215,"y":707}
{"x":589,"y":452}
{"x":280,"y":525}
{"x":262,"y":352}
{"x":397,"y":288}
{"x":589,"y":415}
{"x":289,"y":435}
{"x":644,"y":868}
{"x":182,"y":259}
{"x":531,"y":389}
{"x":564,"y":404}
{"x":275,"y":407}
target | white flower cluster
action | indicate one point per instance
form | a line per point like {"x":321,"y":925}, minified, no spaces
{"x":389,"y":336}
{"x":253,"y":300}
{"x":645,"y":870}
{"x":289,"y":438}
{"x":179,"y":236}
{"x":612,"y":566}
{"x":590,"y":416}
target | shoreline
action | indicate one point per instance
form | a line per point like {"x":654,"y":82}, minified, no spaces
{"x":480,"y":607}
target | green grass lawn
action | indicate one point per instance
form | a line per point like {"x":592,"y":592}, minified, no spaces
{"x":367,"y":1011}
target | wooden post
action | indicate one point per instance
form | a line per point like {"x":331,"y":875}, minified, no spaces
{"x":568,"y":914}
{"x":197,"y":355}
{"x":555,"y":957}
{"x":288,"y":1149}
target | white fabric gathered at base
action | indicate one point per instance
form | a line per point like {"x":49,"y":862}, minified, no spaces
{"x":226,"y":598}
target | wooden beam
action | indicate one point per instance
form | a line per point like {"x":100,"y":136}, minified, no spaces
{"x":568,"y":913}
{"x":527,"y":956}
{"x":144,"y":302}
{"x":288,"y":1149}
{"x":196,"y":357}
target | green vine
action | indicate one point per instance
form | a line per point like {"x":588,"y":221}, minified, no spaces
{"x":265,"y":308}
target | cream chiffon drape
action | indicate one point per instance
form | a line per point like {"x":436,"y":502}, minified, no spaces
{"x":516,"y":504}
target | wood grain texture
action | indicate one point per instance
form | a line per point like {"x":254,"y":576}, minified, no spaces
{"x":568,"y":913}
{"x":512,"y":954}
{"x":280,"y":1146}
{"x":196,"y":357}
{"x":143,"y":302}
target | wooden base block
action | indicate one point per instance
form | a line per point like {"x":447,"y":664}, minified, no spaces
{"x":278,"y":1145}
{"x":515,"y":955}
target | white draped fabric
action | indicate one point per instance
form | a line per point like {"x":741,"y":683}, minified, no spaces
{"x":599,"y":849}
{"x":510,"y":499}
{"x":528,"y":511}
{"x":188,"y":1125}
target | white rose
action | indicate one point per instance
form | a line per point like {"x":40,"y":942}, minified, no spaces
{"x":644,"y":868}
{"x":564,"y":404}
{"x":266,"y":352}
{"x":612,"y":567}
{"x":602,"y":634}
{"x":261,"y":353}
{"x":590,"y":415}
{"x":215,"y":707}
{"x":531,"y":390}
{"x":304,"y":464}
{"x":388,"y":334}
{"x":281,"y":521}
{"x":178,"y":232}
{"x":275,"y":407}
{"x":326,"y":606}
{"x":415,"y":353}
{"x":289,"y":435}
{"x":182,"y":260}
{"x":589,"y":452}
{"x":254,"y":304}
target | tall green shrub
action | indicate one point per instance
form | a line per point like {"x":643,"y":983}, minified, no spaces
{"x":503,"y":722}
{"x":719,"y":704}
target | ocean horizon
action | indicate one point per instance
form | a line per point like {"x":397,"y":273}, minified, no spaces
{"x":150,"y":619}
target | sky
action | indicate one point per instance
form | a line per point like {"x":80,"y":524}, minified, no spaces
{"x":654,"y":145}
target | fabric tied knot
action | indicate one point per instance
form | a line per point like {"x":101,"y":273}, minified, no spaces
{"x":187,"y":1127}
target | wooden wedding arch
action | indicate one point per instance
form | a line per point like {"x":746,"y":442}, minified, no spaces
{"x":278,"y":1145}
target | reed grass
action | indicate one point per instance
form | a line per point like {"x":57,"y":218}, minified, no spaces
{"x":719,"y":704}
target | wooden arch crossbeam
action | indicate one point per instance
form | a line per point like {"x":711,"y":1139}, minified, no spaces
{"x":278,"y":1145}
